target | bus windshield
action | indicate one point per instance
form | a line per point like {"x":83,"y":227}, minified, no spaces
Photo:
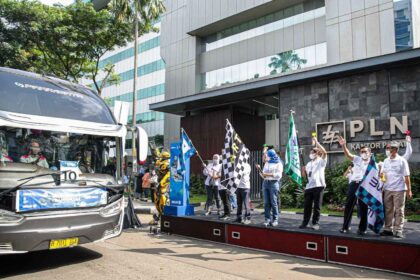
{"x":48,"y":149}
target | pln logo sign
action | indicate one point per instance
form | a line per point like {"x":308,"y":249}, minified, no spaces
{"x":328,"y":134}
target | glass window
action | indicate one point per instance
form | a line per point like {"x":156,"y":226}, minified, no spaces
{"x":265,"y":24}
{"x":276,"y":64}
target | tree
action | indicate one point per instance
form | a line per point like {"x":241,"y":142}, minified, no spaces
{"x":67,"y":42}
{"x":141,"y":14}
{"x":286,"y":61}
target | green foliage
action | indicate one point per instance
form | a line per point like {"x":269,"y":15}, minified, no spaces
{"x":197,"y":184}
{"x":412,"y":206}
{"x":66,"y":42}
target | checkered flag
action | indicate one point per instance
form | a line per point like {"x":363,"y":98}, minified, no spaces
{"x":239,"y":168}
{"x":234,"y":155}
{"x":227,"y":157}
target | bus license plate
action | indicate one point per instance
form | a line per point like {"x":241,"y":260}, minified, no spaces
{"x":64,"y":243}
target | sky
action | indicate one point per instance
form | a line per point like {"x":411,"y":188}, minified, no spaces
{"x":52,"y":2}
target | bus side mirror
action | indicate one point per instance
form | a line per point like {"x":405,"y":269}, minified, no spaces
{"x":142,"y":144}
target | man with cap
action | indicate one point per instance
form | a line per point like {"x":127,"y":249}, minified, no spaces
{"x":35,"y":156}
{"x":395,"y":174}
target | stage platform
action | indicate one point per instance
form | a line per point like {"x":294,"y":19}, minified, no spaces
{"x":326,"y":244}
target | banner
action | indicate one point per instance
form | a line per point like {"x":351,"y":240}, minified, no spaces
{"x":45,"y":199}
{"x":292,"y":167}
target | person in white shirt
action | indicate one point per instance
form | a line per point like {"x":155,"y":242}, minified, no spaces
{"x":395,"y":174}
{"x":242,"y":195}
{"x":34,"y":156}
{"x":272,"y":173}
{"x":314,"y":190}
{"x":360,"y":163}
{"x":213,"y":172}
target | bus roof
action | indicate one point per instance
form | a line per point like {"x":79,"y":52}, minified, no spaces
{"x":36,"y":95}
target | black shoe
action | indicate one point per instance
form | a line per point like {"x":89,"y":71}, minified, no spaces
{"x":224,"y":217}
{"x":302,"y":226}
{"x":361,"y":232}
{"x":238,"y":220}
{"x":344,"y":230}
{"x":386,"y":233}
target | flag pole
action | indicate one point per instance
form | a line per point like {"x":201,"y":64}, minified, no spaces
{"x":198,"y":154}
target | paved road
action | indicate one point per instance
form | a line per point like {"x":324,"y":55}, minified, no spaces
{"x":138,"y":255}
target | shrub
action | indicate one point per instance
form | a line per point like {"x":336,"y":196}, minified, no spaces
{"x":197,"y":184}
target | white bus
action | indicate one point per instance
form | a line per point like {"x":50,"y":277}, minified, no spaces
{"x":61,"y":153}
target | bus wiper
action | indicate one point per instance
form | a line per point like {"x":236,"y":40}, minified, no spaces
{"x":27,"y":180}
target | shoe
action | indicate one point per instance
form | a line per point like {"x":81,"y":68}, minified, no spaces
{"x":344,"y":230}
{"x":315,"y":226}
{"x":218,"y":212}
{"x":267,"y":223}
{"x":207,"y":213}
{"x":246,"y":222}
{"x":361,"y":232}
{"x":386,"y":233}
{"x":239,"y":220}
{"x":302,"y":226}
{"x":275,"y":223}
{"x":224,"y":217}
{"x":399,"y":234}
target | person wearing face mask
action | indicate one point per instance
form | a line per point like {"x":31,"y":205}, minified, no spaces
{"x":272,"y":173}
{"x":213,"y":172}
{"x":314,"y":190}
{"x":395,"y":174}
{"x":360,"y":163}
{"x":35,"y":156}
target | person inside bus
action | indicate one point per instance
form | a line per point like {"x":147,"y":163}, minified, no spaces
{"x":4,"y":155}
{"x":84,"y":168}
{"x":34,"y":156}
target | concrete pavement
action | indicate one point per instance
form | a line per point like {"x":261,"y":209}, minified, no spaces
{"x":139,"y":255}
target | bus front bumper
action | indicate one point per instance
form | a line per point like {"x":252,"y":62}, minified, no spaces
{"x":36,"y":230}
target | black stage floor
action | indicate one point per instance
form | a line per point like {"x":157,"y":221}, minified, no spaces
{"x":329,"y":226}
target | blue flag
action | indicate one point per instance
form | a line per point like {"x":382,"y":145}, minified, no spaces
{"x":370,"y":192}
{"x":188,"y":149}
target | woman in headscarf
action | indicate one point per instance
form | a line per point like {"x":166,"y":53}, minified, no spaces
{"x":272,"y":173}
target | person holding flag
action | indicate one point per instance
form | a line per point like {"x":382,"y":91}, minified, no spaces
{"x":395,"y":174}
{"x":314,"y":190}
{"x":360,"y":164}
{"x":213,"y":173}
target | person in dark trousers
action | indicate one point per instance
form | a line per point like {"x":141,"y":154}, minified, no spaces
{"x":224,"y":196}
{"x":213,"y":172}
{"x":242,"y":195}
{"x":314,"y":190}
{"x":360,"y":163}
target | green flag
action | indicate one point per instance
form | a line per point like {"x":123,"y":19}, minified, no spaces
{"x":292,"y":154}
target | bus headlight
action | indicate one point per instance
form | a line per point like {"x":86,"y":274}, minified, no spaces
{"x":113,"y":209}
{"x":7,"y":217}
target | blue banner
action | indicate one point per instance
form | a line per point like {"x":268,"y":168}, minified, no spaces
{"x":44,"y":199}
{"x":176,"y":192}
